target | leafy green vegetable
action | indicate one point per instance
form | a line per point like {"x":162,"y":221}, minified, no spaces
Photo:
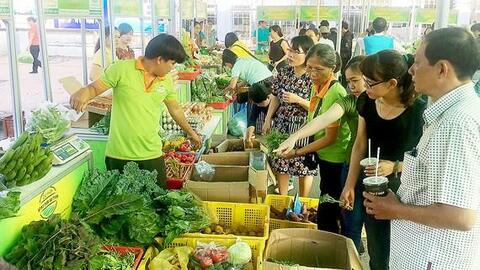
{"x":182,"y":212}
{"x":9,"y":205}
{"x":282,"y":262}
{"x":49,"y":122}
{"x":326,"y":198}
{"x":205,"y":88}
{"x":55,"y":244}
{"x":274,"y":139}
{"x":102,"y":126}
{"x":112,"y":260}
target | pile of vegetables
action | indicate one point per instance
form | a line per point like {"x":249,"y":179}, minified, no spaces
{"x":55,"y":244}
{"x":102,"y":126}
{"x":113,"y":260}
{"x":205,"y":88}
{"x":178,"y":144}
{"x":9,"y":204}
{"x":49,"y":122}
{"x":306,"y":215}
{"x":222,"y":81}
{"x":274,"y":139}
{"x":190,"y":65}
{"x":219,"y":229}
{"x":25,"y":162}
{"x":176,"y":164}
{"x":130,"y":208}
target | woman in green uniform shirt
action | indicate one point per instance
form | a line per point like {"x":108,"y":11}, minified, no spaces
{"x":331,"y":143}
{"x":139,"y":88}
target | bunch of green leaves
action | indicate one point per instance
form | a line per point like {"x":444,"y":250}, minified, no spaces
{"x":326,"y":198}
{"x":118,"y":206}
{"x":205,"y":87}
{"x":49,"y":122}
{"x":112,"y":260}
{"x":102,"y":126}
{"x":55,"y":244}
{"x":274,"y":139}
{"x":9,"y":204}
{"x":182,"y":213}
{"x":222,"y":81}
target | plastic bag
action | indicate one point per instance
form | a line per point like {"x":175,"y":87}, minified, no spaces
{"x":237,"y":126}
{"x":50,"y":120}
{"x":172,"y":259}
{"x":204,"y":171}
{"x":210,"y":254}
{"x":25,"y":57}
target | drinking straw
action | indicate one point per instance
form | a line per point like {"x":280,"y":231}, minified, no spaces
{"x":378,"y":158}
{"x":369,"y":149}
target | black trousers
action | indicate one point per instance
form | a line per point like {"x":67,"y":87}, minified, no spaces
{"x":157,"y":164}
{"x":378,"y":232}
{"x":329,"y":216}
{"x":35,"y":51}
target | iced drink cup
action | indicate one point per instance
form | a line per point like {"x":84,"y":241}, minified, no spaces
{"x":368,"y":162}
{"x":376,"y":185}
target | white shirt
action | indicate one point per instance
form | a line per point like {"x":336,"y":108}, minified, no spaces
{"x":446,"y":170}
{"x":327,"y":42}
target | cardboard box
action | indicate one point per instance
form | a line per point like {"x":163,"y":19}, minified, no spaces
{"x":235,"y":145}
{"x":227,"y":159}
{"x":229,"y":184}
{"x":257,"y":178}
{"x":311,"y":249}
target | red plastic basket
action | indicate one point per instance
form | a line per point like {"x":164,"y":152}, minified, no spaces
{"x":123,"y":250}
{"x":188,"y":76}
{"x":219,"y":105}
{"x":177,"y":183}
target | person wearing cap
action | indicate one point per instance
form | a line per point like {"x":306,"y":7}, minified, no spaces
{"x":140,"y":86}
{"x":379,"y":41}
{"x":324,"y":34}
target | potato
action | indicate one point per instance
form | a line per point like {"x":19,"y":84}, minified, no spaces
{"x":207,"y":230}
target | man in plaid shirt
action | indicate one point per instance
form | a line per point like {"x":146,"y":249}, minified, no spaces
{"x":436,"y":219}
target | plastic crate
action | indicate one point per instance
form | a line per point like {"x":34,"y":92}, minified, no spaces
{"x":281,"y":202}
{"x":123,"y":250}
{"x":219,"y":105}
{"x":257,"y":246}
{"x":251,"y":216}
{"x":188,"y":76}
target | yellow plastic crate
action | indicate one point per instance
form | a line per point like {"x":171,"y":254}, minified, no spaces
{"x":281,"y":202}
{"x":257,"y":246}
{"x":251,"y":216}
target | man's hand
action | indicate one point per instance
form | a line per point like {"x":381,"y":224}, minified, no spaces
{"x":196,"y":140}
{"x":347,"y":198}
{"x":385,"y":168}
{"x":290,"y":97}
{"x":382,"y":207}
{"x":79,"y":100}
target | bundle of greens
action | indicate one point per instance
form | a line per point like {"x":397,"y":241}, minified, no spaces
{"x":55,"y":244}
{"x":130,"y":208}
{"x":181,"y":213}
{"x":9,"y":204}
{"x":112,"y":260}
{"x":274,"y":139}
{"x":205,"y":88}
{"x":119,"y":206}
{"x":102,"y":126}
{"x":49,"y":122}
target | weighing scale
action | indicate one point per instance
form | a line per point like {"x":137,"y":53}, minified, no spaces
{"x":68,"y":149}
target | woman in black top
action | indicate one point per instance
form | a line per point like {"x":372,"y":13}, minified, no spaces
{"x":390,"y":115}
{"x":278,"y":49}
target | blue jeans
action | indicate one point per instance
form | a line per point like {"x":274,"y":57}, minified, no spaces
{"x":354,"y":219}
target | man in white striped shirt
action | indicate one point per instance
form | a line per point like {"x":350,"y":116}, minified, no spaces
{"x":436,"y":219}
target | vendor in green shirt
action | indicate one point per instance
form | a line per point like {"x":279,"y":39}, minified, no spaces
{"x":330,"y":143}
{"x":139,"y":88}
{"x":345,"y":107}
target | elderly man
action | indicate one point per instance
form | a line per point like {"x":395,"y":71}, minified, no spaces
{"x":436,"y":219}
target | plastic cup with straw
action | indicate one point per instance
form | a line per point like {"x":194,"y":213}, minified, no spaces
{"x":368,"y":161}
{"x":376,"y":185}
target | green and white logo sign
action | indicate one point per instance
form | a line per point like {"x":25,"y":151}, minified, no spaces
{"x":89,"y":8}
